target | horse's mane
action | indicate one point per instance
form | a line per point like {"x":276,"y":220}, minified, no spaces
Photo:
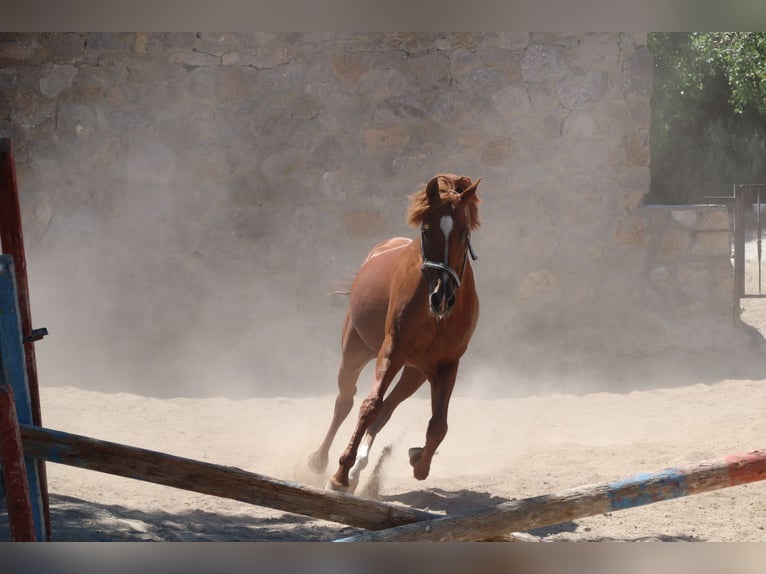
{"x":450,"y":188}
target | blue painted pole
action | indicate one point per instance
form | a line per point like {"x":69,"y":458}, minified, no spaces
{"x":588,"y":500}
{"x":13,"y":372}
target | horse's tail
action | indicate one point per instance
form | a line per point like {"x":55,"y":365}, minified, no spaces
{"x":342,"y":286}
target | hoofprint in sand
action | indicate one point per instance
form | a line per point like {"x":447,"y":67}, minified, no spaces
{"x":496,"y":450}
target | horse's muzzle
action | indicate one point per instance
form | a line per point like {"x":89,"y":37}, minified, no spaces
{"x":441,"y":300}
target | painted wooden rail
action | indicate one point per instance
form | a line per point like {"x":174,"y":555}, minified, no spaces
{"x":13,"y":373}
{"x":14,"y":472}
{"x":26,"y":389}
{"x":207,"y":478}
{"x":550,"y":509}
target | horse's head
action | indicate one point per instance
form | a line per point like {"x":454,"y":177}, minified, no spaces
{"x":446,"y":209}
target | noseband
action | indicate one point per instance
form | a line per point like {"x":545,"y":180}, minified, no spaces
{"x":427,"y":264}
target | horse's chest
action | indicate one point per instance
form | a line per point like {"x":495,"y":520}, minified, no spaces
{"x":441,"y":342}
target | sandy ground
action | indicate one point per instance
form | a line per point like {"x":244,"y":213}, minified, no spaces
{"x":496,"y":450}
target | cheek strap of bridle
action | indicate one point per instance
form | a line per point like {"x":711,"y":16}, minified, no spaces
{"x":446,"y":268}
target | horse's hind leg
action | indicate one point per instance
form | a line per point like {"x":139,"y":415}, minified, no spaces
{"x":408,"y":383}
{"x":355,"y":356}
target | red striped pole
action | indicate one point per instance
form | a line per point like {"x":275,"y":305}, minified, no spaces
{"x":14,"y":470}
{"x":12,"y":243}
{"x":550,"y":509}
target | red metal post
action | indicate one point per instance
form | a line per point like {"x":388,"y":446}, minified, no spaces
{"x":17,"y":494}
{"x":12,"y":242}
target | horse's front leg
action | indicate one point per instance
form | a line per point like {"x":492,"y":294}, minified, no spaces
{"x":385,"y":370}
{"x":441,"y":391}
{"x":408,"y":383}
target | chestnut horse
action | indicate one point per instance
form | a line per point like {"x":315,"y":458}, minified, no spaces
{"x":413,"y":306}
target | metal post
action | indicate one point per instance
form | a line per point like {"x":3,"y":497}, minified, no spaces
{"x":758,"y":219}
{"x":13,"y":373}
{"x":739,"y":250}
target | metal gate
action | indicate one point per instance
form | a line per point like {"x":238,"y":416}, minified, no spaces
{"x":749,"y":215}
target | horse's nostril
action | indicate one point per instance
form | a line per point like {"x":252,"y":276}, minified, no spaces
{"x":434,"y":300}
{"x":451,"y":301}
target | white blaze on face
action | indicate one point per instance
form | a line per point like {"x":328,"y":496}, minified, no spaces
{"x":446,"y":223}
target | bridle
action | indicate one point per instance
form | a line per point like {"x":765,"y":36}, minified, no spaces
{"x":458,"y":279}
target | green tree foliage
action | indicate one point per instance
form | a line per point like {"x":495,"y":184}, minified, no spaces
{"x":708,"y":127}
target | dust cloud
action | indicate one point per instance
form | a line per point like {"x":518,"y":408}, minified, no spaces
{"x":162,"y":291}
{"x":150,"y":282}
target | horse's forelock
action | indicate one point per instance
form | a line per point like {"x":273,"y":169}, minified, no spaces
{"x":450,"y":188}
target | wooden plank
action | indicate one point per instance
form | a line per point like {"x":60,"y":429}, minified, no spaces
{"x":13,"y":373}
{"x":19,"y":503}
{"x":12,"y":242}
{"x":213,"y":479}
{"x":550,"y":509}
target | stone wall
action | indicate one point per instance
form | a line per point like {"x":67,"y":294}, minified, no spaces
{"x":190,"y":200}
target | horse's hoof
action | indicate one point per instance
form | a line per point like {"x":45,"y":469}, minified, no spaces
{"x":419,"y":473}
{"x":317,"y":463}
{"x":332,"y":485}
{"x":415,"y":453}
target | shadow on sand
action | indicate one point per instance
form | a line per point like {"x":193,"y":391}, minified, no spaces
{"x":76,"y":520}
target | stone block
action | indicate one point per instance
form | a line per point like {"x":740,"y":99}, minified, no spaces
{"x":637,"y":148}
{"x":383,"y":83}
{"x":349,"y":67}
{"x":674,"y":243}
{"x":57,"y":79}
{"x":108,"y":42}
{"x":579,"y":125}
{"x":686,"y":215}
{"x":66,"y":47}
{"x":511,"y":100}
{"x":711,"y":243}
{"x":544,"y":63}
{"x":637,"y":73}
{"x":30,"y":110}
{"x":27,"y":51}
{"x":597,"y":51}
{"x":631,"y":230}
{"x":432,"y":71}
{"x":583,"y":90}
{"x":715,"y":219}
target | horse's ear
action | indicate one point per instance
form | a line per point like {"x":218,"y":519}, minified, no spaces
{"x":462,"y":183}
{"x":432,"y":191}
{"x":470,"y":191}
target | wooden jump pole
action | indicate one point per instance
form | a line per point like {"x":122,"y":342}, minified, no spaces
{"x":550,"y":509}
{"x":216,"y":480}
